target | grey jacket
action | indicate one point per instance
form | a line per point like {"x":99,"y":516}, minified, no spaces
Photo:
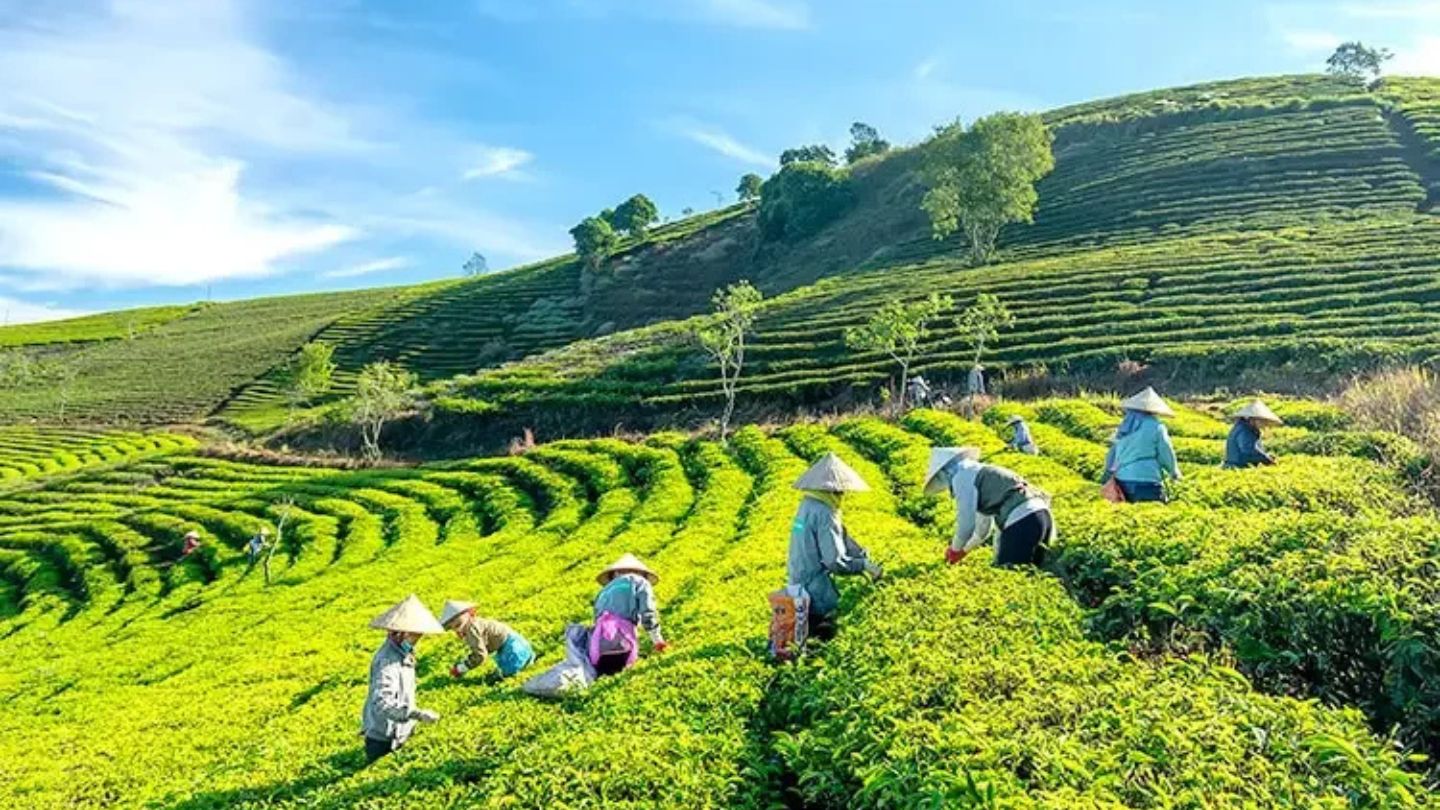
{"x":819,"y":547}
{"x":390,"y":707}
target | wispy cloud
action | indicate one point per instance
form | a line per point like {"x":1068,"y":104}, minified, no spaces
{"x":497,"y":161}
{"x":1308,"y":41}
{"x":1420,"y":59}
{"x":13,"y":311}
{"x":719,"y":141}
{"x":783,"y":15}
{"x":1405,"y":10}
{"x":926,"y":68}
{"x":369,"y":268}
{"x":790,"y":16}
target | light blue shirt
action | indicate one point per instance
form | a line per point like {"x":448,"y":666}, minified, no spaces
{"x":819,"y":547}
{"x":632,"y":598}
{"x":1144,"y":455}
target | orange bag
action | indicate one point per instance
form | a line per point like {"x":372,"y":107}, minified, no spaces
{"x":1112,"y":492}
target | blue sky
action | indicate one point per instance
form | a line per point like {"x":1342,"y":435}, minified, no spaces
{"x":154,"y":151}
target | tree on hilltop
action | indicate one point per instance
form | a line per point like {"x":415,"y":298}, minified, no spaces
{"x":1353,"y":60}
{"x":802,"y":198}
{"x":723,"y":338}
{"x":899,"y":329}
{"x":634,"y":216}
{"x":864,"y":142}
{"x":814,"y":153}
{"x":984,"y":178}
{"x":476,"y":265}
{"x":749,"y":188}
{"x":594,"y":240}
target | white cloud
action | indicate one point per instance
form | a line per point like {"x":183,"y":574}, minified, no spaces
{"x":13,"y":311}
{"x":1420,"y":59}
{"x":497,"y":161}
{"x":927,"y":68}
{"x":785,"y":15}
{"x":1308,"y":41}
{"x":369,"y":268}
{"x":790,"y":16}
{"x":718,"y":140}
{"x":1411,"y":10}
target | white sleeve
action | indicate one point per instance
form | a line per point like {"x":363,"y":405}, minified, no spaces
{"x":962,"y":486}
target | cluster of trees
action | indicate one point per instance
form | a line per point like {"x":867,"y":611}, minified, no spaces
{"x":811,"y":189}
{"x":597,"y":237}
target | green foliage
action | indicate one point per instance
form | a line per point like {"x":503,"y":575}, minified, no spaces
{"x":476,"y":265}
{"x":1353,"y":60}
{"x":634,"y":216}
{"x":982,"y":321}
{"x":310,"y":373}
{"x":383,"y":391}
{"x":802,"y":198}
{"x":984,"y":178}
{"x":898,"y":330}
{"x":815,"y":153}
{"x":594,"y":239}
{"x":865,"y":141}
{"x":723,"y":338}
{"x":749,"y":187}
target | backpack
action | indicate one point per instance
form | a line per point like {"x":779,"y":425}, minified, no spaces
{"x":613,"y":636}
{"x":789,"y":622}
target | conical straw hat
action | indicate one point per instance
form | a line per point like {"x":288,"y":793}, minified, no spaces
{"x":452,"y":610}
{"x":1147,"y":401}
{"x":627,"y":564}
{"x":410,"y":616}
{"x":1016,"y":419}
{"x":830,"y":474}
{"x":939,"y":457}
{"x":1260,"y":412}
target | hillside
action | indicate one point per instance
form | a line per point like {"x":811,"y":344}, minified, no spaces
{"x":946,"y":685}
{"x":1173,"y":195}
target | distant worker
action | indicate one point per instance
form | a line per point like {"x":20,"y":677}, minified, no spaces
{"x":191,"y":545}
{"x":986,"y":496}
{"x":819,"y":544}
{"x":1020,"y":439}
{"x":1243,"y":447}
{"x":390,"y":713}
{"x":1141,"y":455}
{"x":975,"y":381}
{"x":626,"y":601}
{"x":257,"y":544}
{"x":918,"y":391}
{"x":485,"y":637}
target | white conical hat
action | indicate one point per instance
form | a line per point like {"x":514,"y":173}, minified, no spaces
{"x":627,"y":564}
{"x":939,"y":457}
{"x":410,"y":616}
{"x":1147,"y":401}
{"x":1260,"y":412}
{"x":452,"y":610}
{"x":830,"y":474}
{"x":1015,"y":419}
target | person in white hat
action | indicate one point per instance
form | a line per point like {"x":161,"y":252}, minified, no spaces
{"x":626,"y":601}
{"x":1141,"y":455}
{"x":1243,"y":447}
{"x":191,"y":544}
{"x":390,"y":713}
{"x":819,"y":544}
{"x":987,"y":495}
{"x":485,"y":637}
{"x":1020,"y":439}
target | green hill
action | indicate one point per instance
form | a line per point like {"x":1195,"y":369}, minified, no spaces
{"x":1176,"y":221}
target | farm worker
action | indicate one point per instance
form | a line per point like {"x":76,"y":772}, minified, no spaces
{"x":819,"y":544}
{"x":192,"y":543}
{"x":390,"y":713}
{"x":975,"y":381}
{"x":257,"y":544}
{"x":918,"y":391}
{"x":1243,"y":447}
{"x":626,"y":600}
{"x":1020,"y":439}
{"x":485,"y":637}
{"x":1141,"y":454}
{"x":987,"y":495}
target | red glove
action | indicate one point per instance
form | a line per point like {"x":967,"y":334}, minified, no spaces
{"x":952,"y":556}
{"x":661,"y":646}
{"x":456,"y":671}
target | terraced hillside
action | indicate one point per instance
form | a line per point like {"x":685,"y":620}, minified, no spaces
{"x":1285,"y":159}
{"x":216,"y":690}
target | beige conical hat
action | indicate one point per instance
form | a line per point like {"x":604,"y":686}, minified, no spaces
{"x":830,"y":474}
{"x":453,"y":609}
{"x":939,"y":457}
{"x":1016,"y":419}
{"x":1147,"y":401}
{"x":627,"y":564}
{"x":1260,"y":412}
{"x":410,"y":616}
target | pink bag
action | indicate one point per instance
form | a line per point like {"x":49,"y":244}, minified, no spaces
{"x":611,"y":638}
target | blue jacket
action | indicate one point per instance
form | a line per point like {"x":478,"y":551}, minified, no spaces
{"x":1144,"y":455}
{"x":820,"y":547}
{"x":1243,"y":447}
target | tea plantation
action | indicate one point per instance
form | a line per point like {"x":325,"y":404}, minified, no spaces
{"x":1268,"y":639}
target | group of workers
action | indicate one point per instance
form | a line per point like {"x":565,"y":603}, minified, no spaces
{"x":991,"y":501}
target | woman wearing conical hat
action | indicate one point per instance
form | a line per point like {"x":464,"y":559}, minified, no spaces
{"x":626,"y":601}
{"x":986,"y":496}
{"x":819,"y":545}
{"x":390,"y":713}
{"x":1020,"y":439}
{"x":1243,"y":448}
{"x":1141,"y":455}
{"x":484,"y":638}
